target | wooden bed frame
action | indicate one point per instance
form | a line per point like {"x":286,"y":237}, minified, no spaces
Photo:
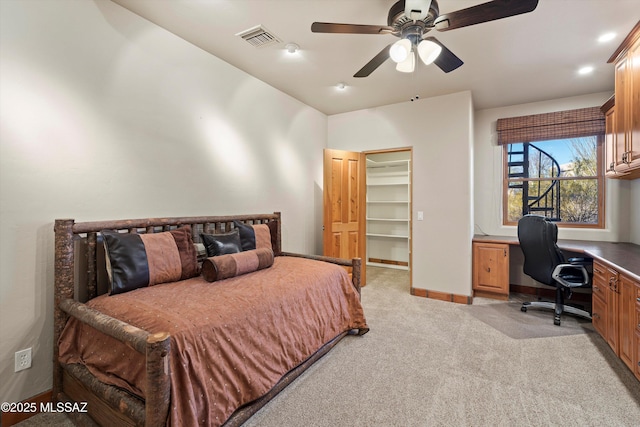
{"x":109,"y":405}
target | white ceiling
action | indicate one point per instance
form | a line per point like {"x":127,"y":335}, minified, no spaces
{"x":525,"y":58}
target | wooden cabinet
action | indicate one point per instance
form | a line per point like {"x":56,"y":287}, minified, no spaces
{"x":635,"y":328}
{"x":616,"y":313}
{"x":626,"y":117}
{"x":600,"y":296}
{"x":627,"y":314}
{"x":605,"y":303}
{"x":491,"y":270}
{"x":608,"y":109}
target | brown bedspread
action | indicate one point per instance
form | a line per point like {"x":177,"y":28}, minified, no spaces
{"x":231,"y":341}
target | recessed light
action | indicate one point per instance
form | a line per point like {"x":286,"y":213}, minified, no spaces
{"x":292,"y":48}
{"x":585,"y":70}
{"x":341,"y":86}
{"x":607,"y":37}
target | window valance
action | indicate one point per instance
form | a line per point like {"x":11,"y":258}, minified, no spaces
{"x":557,"y":125}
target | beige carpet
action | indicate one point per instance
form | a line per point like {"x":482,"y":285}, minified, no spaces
{"x":432,"y":363}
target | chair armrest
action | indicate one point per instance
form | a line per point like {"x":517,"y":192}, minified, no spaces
{"x":581,"y":261}
{"x":558,"y":276}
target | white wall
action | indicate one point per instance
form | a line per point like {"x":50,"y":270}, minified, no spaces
{"x":488,"y":175}
{"x":104,"y":116}
{"x":440,"y":131}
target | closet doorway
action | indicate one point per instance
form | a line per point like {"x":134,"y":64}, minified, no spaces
{"x":367,"y":202}
{"x":388,"y":209}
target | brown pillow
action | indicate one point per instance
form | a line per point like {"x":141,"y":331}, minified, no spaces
{"x":231,"y":265}
{"x":138,"y":260}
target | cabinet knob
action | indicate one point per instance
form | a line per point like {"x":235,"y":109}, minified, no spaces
{"x":595,"y":315}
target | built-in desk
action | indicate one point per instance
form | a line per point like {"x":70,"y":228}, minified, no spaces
{"x":625,"y":257}
{"x":615,"y":287}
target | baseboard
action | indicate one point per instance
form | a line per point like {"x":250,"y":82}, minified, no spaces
{"x":12,"y":418}
{"x":442,"y":296}
{"x":388,"y":261}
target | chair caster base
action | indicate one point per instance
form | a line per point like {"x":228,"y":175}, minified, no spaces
{"x":523,"y":308}
{"x":556,"y":320}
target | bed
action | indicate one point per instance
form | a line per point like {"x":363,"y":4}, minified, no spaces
{"x":209,"y":346}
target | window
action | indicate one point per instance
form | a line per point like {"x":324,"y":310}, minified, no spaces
{"x":553,"y":167}
{"x":559,"y":179}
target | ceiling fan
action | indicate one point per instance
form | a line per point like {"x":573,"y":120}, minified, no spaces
{"x":411,"y":20}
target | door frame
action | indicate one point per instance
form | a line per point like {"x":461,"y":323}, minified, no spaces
{"x":393,"y":150}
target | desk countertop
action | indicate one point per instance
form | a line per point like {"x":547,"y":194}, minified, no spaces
{"x":624,"y":257}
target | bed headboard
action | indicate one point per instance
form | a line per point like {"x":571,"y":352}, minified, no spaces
{"x":79,"y":259}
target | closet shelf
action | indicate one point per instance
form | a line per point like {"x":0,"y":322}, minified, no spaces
{"x":389,"y":219}
{"x":387,"y":184}
{"x":392,"y":236}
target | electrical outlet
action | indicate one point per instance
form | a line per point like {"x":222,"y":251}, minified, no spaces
{"x":23,"y":359}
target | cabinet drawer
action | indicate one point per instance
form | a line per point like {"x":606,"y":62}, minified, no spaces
{"x":599,"y":287}
{"x":599,"y":316}
{"x":599,"y":271}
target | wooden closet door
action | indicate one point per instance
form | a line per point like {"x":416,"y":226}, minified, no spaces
{"x":344,"y":205}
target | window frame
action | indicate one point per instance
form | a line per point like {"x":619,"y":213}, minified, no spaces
{"x":600,"y":178}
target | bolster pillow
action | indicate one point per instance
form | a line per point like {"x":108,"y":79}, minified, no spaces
{"x":231,"y":265}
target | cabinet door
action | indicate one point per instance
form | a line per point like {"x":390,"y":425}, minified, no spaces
{"x":621,"y":123}
{"x":633,"y":144}
{"x":600,"y":294}
{"x":491,"y":268}
{"x":637,"y":370}
{"x":599,"y":316}
{"x":610,"y":143}
{"x":612,"y":310}
{"x":627,"y":314}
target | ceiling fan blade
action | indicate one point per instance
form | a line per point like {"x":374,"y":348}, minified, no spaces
{"x":328,"y":27}
{"x":377,"y":61}
{"x":447,"y":60}
{"x":484,"y":12}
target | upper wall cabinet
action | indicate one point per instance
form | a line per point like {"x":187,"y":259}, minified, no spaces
{"x":623,"y":143}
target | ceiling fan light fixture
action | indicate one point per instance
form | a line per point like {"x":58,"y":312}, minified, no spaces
{"x":428,"y":51}
{"x":400,"y":50}
{"x":408,"y":65}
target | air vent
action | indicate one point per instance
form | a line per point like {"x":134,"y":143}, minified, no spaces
{"x":259,"y":36}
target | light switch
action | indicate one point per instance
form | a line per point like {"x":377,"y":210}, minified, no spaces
{"x":420,"y":215}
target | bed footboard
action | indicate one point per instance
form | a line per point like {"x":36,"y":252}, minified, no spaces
{"x":156,"y":349}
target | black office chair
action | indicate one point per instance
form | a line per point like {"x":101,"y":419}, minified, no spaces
{"x":545,"y":263}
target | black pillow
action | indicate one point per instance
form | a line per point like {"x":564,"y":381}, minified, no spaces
{"x":247,"y":235}
{"x":221,"y":244}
